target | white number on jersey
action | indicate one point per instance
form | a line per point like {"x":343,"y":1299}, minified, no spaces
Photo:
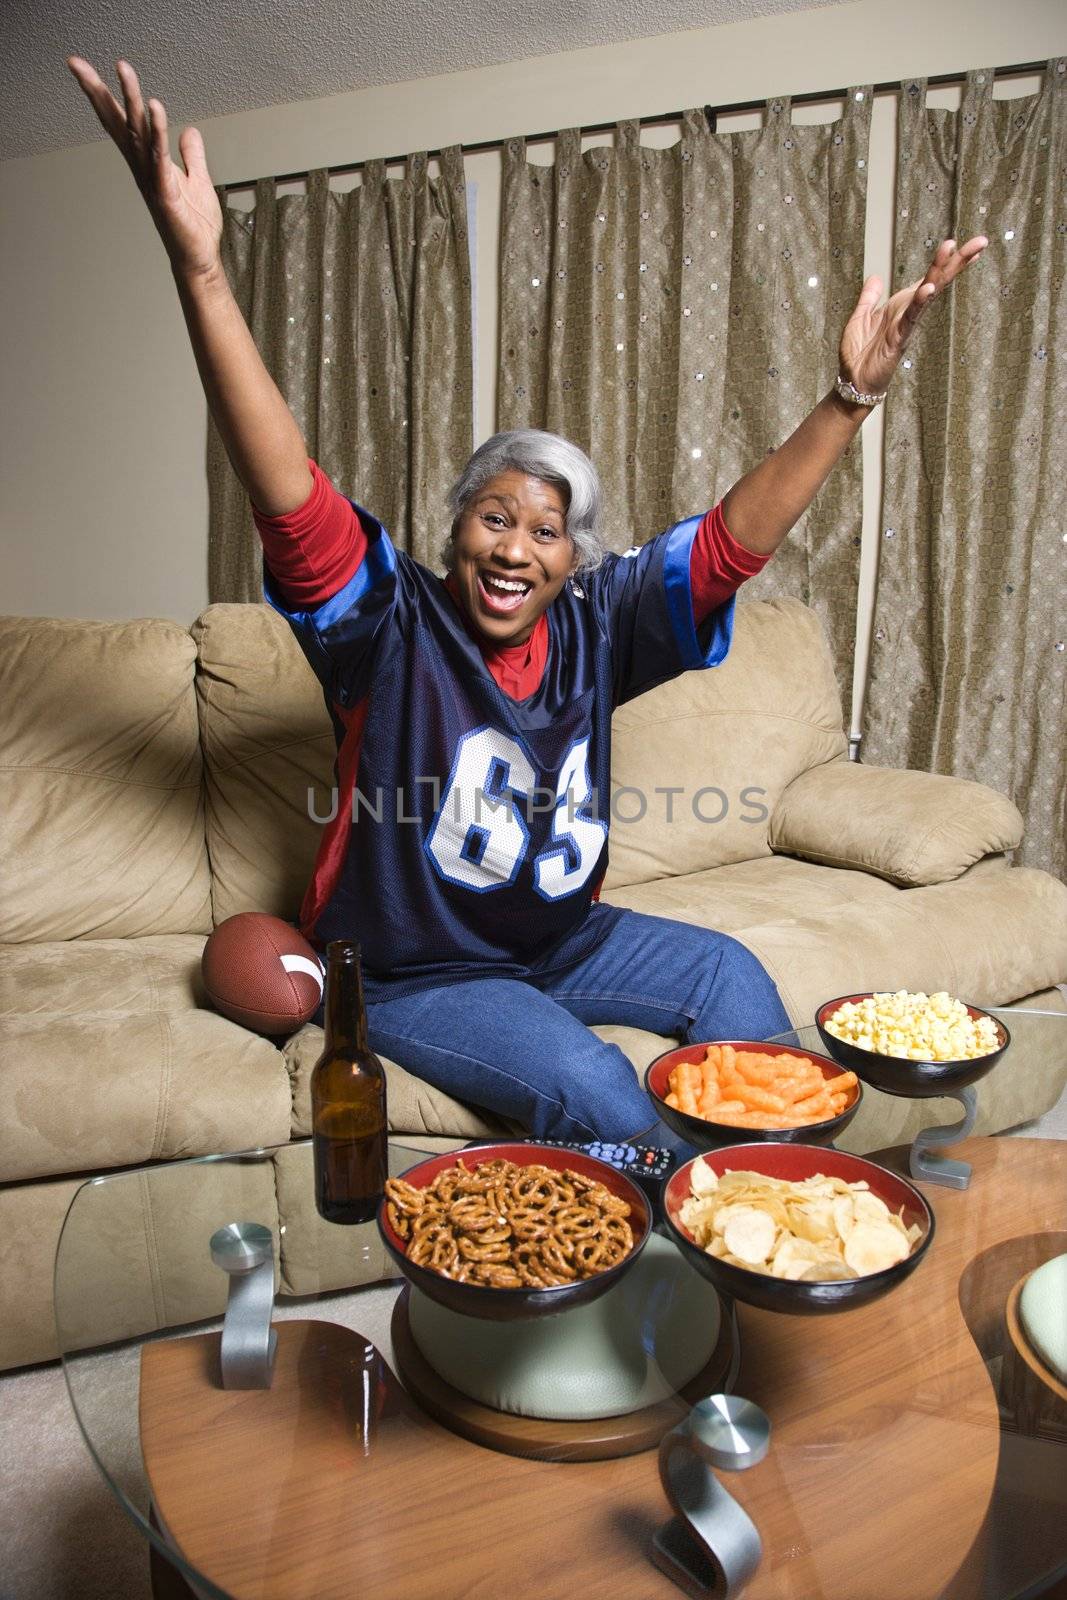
{"x":562,"y":868}
{"x":479,"y":836}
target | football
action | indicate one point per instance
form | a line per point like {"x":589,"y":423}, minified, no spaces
{"x":259,"y":971}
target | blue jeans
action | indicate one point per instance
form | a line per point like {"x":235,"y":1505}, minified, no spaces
{"x":524,"y":1050}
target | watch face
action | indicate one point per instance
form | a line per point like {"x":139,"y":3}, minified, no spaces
{"x":848,"y":391}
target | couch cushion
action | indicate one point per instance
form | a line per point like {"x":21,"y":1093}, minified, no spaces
{"x":413,"y":1106}
{"x":267,"y":741}
{"x":101,"y":818}
{"x":992,"y":935}
{"x":102,"y":976}
{"x":89,"y":1092}
{"x":730,"y":739}
{"x":910,"y":827}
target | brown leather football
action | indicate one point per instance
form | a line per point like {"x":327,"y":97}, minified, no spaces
{"x":259,"y":971}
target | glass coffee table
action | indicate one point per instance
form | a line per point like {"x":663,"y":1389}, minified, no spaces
{"x":912,"y":1451}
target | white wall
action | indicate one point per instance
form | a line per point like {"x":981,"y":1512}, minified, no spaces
{"x":103,"y":498}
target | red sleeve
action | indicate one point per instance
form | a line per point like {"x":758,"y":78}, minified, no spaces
{"x":718,"y":565}
{"x":312,"y":552}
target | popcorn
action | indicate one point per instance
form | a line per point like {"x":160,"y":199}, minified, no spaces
{"x":914,"y":1027}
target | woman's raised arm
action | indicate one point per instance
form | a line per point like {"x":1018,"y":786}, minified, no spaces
{"x":259,"y":432}
{"x":762,"y":506}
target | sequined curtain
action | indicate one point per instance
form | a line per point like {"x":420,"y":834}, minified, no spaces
{"x":677,"y":312}
{"x":360,"y":305}
{"x":967,"y":658}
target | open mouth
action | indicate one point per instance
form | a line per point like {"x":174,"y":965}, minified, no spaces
{"x":502,"y":595}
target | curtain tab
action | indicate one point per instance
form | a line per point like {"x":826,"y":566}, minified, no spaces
{"x":977,"y":94}
{"x":373,"y":176}
{"x":415,"y":171}
{"x":452,"y":168}
{"x":568,"y":150}
{"x":695,"y":124}
{"x":266,"y":199}
{"x":911,"y":121}
{"x":778,"y":111}
{"x":859,"y":100}
{"x":628,"y":135}
{"x":515,"y":151}
{"x":318,"y":185}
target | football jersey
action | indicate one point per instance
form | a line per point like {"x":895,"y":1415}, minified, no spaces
{"x":470,"y":830}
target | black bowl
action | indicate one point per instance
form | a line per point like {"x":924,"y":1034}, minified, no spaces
{"x":704,"y":1134}
{"x":795,"y":1162}
{"x":517,"y":1305}
{"x":912,"y":1079}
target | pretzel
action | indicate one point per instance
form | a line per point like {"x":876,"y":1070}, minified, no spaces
{"x":506,"y":1226}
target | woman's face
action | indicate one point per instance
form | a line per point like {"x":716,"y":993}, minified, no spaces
{"x":512,"y":555}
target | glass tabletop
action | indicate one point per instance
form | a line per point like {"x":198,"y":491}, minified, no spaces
{"x":927,"y":1375}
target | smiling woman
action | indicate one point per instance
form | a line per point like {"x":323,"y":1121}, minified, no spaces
{"x":511,"y":554}
{"x":484,"y":701}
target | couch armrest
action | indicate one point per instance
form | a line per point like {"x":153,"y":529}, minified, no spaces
{"x":910,"y":827}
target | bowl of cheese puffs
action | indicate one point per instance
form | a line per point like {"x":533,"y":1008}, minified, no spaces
{"x":797,"y":1228}
{"x":740,"y":1090}
{"x":911,"y":1044}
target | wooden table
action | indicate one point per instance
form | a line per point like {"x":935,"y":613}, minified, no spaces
{"x":881,"y":1482}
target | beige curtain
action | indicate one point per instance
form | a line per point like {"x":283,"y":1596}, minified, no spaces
{"x":359,"y":303}
{"x":968,"y":658}
{"x":677,"y":312}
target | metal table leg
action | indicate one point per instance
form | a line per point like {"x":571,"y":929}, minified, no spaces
{"x":931,"y":1168}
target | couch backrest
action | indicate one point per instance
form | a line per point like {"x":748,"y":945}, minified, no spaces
{"x":730,"y":739}
{"x":771,"y":711}
{"x":267,"y":742}
{"x":101,"y":807}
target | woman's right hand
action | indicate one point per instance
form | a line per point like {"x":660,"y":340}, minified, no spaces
{"x":184,"y":205}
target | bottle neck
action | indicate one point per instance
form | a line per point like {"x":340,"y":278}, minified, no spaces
{"x":346,"y":1014}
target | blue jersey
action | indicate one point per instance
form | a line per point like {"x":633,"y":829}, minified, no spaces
{"x":471,"y":830}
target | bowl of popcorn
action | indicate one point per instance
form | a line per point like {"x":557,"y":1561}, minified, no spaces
{"x":912,"y":1044}
{"x":797,"y":1228}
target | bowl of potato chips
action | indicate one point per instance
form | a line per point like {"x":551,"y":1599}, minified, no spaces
{"x":912,"y":1044}
{"x":741,"y":1090}
{"x":797,"y":1228}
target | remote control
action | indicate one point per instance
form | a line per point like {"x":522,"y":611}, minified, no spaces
{"x":646,"y":1164}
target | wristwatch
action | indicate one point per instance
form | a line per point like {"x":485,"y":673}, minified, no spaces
{"x":856,"y":397}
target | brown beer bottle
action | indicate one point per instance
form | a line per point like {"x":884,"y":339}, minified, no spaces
{"x":348,"y":1123}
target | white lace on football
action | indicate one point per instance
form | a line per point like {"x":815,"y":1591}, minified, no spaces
{"x":302,"y":964}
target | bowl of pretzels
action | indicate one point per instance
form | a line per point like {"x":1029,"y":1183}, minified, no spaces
{"x":512,"y":1231}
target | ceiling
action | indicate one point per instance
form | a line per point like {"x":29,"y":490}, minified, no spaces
{"x":209,"y":58}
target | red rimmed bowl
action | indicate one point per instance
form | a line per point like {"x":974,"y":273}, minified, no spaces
{"x":517,"y":1305}
{"x":704,"y":1134}
{"x":895,"y":1074}
{"x":794,"y":1163}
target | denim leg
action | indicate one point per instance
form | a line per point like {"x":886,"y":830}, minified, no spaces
{"x":503,"y":1044}
{"x":669,"y":977}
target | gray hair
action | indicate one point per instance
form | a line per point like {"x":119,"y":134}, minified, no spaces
{"x":551,"y":459}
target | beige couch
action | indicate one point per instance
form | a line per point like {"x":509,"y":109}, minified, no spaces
{"x":155,"y":780}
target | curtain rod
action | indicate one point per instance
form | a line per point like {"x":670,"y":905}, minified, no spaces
{"x":811,"y":97}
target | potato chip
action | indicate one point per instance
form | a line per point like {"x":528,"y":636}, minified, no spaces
{"x":818,"y":1230}
{"x":874,"y":1246}
{"x":749,"y":1233}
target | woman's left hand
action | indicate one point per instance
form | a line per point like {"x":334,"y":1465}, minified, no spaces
{"x":875,"y":334}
